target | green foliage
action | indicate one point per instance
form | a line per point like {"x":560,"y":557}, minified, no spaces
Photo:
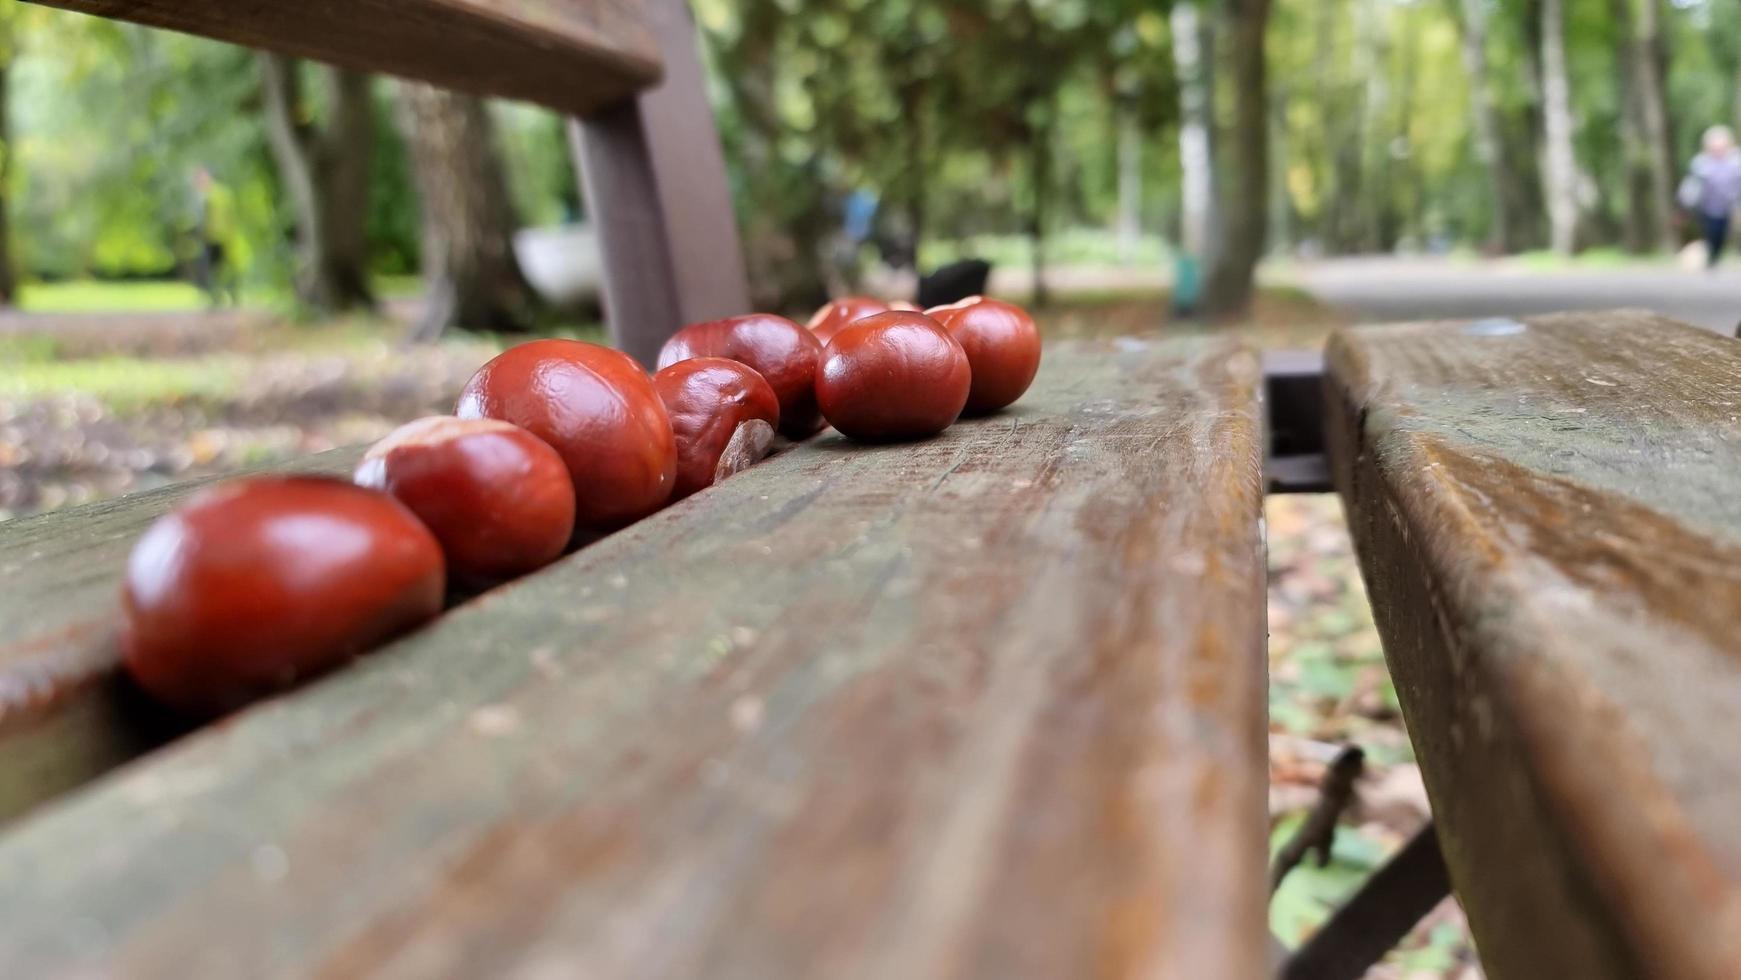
{"x":111,"y":122}
{"x":540,"y":173}
{"x":934,"y":106}
{"x":1309,"y":893}
{"x":395,"y":231}
{"x":87,"y":296}
{"x":949,"y":111}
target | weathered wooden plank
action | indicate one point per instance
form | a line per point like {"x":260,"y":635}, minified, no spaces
{"x":1549,"y":523}
{"x":656,"y":187}
{"x":63,"y":718}
{"x":574,"y":55}
{"x":989,"y":705}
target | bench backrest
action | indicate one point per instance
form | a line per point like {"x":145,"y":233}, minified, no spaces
{"x":627,"y":69}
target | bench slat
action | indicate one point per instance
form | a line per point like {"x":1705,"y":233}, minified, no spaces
{"x":1548,"y":516}
{"x":573,"y":55}
{"x":988,"y":705}
{"x":63,"y":720}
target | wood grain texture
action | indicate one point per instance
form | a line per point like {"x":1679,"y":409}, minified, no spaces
{"x":63,"y":718}
{"x":656,"y":186}
{"x":988,"y":705}
{"x":1548,"y":516}
{"x":573,"y":55}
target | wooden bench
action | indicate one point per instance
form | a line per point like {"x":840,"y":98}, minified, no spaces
{"x":991,"y":704}
{"x":987,"y":705}
{"x":1548,"y":516}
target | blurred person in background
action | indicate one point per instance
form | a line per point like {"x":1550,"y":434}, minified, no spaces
{"x":215,"y":233}
{"x":1712,"y":190}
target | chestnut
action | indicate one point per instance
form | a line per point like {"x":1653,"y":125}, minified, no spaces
{"x":896,"y":375}
{"x":598,"y":410}
{"x":783,"y":353}
{"x":838,"y":313}
{"x":253,"y":584}
{"x":1003,"y":348}
{"x":497,"y":498}
{"x":709,"y":399}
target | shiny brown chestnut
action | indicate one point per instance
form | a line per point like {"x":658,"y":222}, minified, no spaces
{"x":1003,"y":349}
{"x":708,"y":399}
{"x":598,"y":410}
{"x":837,"y":313}
{"x":254,"y":584}
{"x":497,"y":497}
{"x":785,"y":354}
{"x":895,"y":375}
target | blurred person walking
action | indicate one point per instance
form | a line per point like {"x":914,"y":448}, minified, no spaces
{"x":1712,"y":190}
{"x":215,"y":231}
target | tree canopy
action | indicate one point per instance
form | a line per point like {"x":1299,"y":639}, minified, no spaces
{"x":1388,"y":124}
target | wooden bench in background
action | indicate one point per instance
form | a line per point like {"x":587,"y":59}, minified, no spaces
{"x":991,"y":704}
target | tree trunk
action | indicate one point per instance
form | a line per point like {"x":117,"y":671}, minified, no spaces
{"x":470,"y":275}
{"x":325,"y":172}
{"x":1197,"y":232}
{"x":1340,"y":161}
{"x":913,"y":105}
{"x":1659,"y":156}
{"x":1648,"y":153}
{"x":1738,"y":98}
{"x":350,"y":148}
{"x":1040,"y":163}
{"x":1560,"y":176}
{"x":1489,"y":145}
{"x":1529,"y":16}
{"x":8,"y":273}
{"x":1407,"y":217}
{"x":1373,"y":198}
{"x":784,"y":236}
{"x":1636,"y":222}
{"x":1281,"y":204}
{"x":1130,"y":180}
{"x":1229,"y":286}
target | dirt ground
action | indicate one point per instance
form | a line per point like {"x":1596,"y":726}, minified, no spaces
{"x":100,"y":405}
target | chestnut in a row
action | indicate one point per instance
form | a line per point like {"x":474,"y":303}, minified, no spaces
{"x":259,"y":582}
{"x":890,"y":374}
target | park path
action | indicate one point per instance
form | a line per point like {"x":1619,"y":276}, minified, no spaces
{"x":1379,"y":289}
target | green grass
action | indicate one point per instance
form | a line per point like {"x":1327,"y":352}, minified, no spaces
{"x":1591,"y":258}
{"x":125,"y":383}
{"x":1309,"y":894}
{"x":91,"y":296}
{"x":26,"y":347}
{"x":398,"y":287}
{"x":1076,"y":246}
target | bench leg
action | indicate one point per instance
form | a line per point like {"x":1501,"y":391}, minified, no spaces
{"x":1379,"y":915}
{"x":656,"y":189}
